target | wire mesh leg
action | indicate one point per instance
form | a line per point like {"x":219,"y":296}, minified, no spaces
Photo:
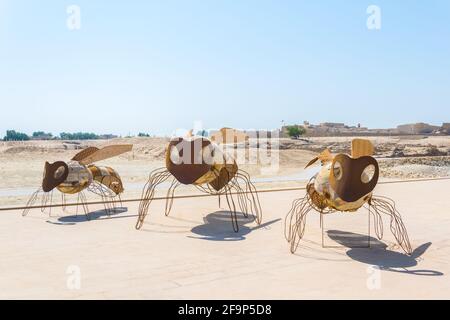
{"x":156,"y":177}
{"x":251,"y":194}
{"x":63,"y":201}
{"x":84,"y":204}
{"x":242,"y":199}
{"x":377,"y":222}
{"x":31,"y":202}
{"x":387,"y":206}
{"x":232,"y":207}
{"x":120,"y":200}
{"x":295,"y":222}
{"x":170,"y":195}
{"x":107,"y":205}
{"x":51,"y":202}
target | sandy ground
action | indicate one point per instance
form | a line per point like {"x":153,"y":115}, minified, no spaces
{"x":194,"y":254}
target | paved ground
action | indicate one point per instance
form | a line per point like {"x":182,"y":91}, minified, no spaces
{"x":193,"y":254}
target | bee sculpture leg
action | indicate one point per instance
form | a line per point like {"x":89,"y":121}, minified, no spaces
{"x":106,"y":204}
{"x":249,"y":195}
{"x":232,"y":208}
{"x":31,"y":201}
{"x":156,"y":177}
{"x":63,"y":201}
{"x":47,"y":198}
{"x":51,"y":202}
{"x":295,"y":221}
{"x":106,"y":198}
{"x":120,"y":200}
{"x":378,"y":222}
{"x":82,"y":201}
{"x":107,"y":195}
{"x":386,"y":206}
{"x":46,"y":202}
{"x":241,"y":196}
{"x":170,"y":194}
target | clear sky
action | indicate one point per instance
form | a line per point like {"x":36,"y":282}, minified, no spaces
{"x":155,"y":66}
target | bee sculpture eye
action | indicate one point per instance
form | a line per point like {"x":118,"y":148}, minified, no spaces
{"x":337,"y":170}
{"x":175,"y":155}
{"x":368,"y":173}
{"x":59,"y":172}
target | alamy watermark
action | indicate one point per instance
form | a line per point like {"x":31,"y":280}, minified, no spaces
{"x":73,"y":21}
{"x":73,"y":281}
{"x":374,"y":280}
{"x":374,"y":19}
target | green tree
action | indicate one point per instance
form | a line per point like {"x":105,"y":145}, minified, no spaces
{"x":78,"y":136}
{"x":42,"y":134}
{"x":12,"y":135}
{"x":295,"y":131}
{"x":141,"y":134}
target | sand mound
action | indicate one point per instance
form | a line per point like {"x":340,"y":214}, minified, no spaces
{"x":424,"y":167}
{"x":25,"y":149}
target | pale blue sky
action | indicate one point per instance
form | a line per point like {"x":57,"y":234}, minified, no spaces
{"x":155,"y":66}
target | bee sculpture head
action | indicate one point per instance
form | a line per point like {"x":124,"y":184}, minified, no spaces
{"x":352,"y":178}
{"x":54,"y":174}
{"x":347,"y":179}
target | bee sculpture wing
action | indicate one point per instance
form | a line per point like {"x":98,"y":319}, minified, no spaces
{"x":324,"y":157}
{"x":106,"y":153}
{"x":85,"y":153}
{"x":362,"y":148}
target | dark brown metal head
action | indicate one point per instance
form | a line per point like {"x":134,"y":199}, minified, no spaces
{"x":54,"y":174}
{"x":184,"y":159}
{"x":351,"y":178}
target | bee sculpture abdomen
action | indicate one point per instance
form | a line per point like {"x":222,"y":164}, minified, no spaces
{"x":108,"y":177}
{"x":226,"y":172}
{"x":78,"y":179}
{"x":221,"y":171}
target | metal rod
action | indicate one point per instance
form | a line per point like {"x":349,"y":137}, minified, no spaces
{"x":200,"y":195}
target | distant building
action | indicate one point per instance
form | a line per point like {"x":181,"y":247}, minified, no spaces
{"x":332,"y":125}
{"x":107,"y":136}
{"x":445,"y":129}
{"x":417,"y":128}
{"x":340,"y":129}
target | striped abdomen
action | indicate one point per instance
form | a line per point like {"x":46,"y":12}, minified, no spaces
{"x":108,"y":177}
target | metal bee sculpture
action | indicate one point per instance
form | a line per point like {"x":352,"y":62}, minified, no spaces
{"x":199,"y":161}
{"x":345,"y":183}
{"x":80,"y":174}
